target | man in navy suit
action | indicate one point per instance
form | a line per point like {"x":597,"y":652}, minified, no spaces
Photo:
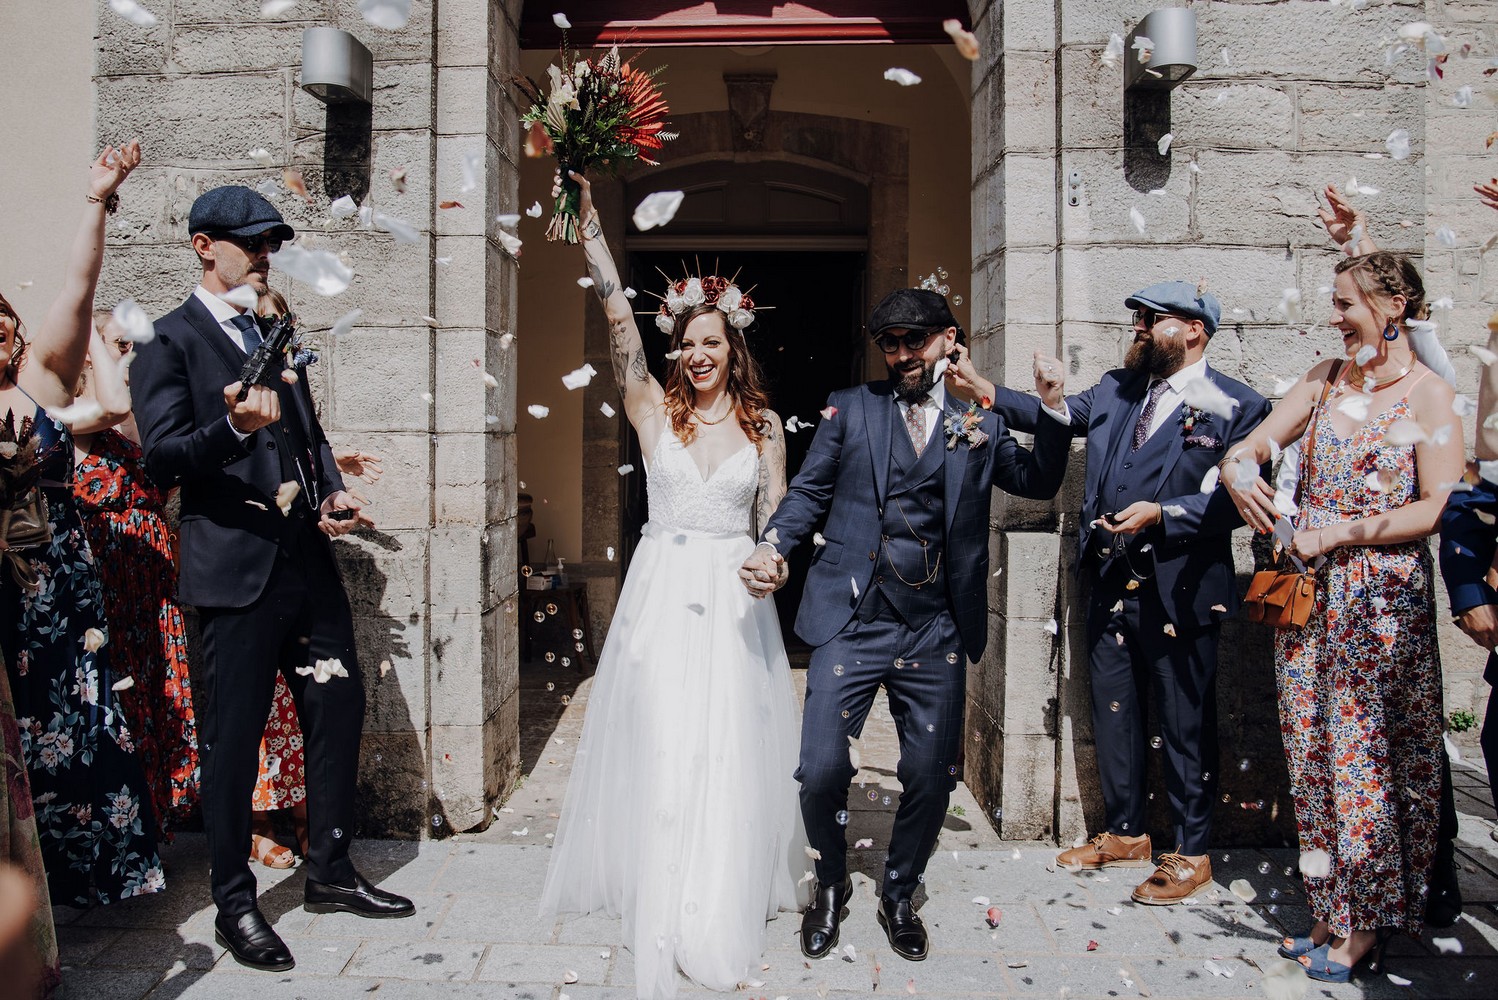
{"x":897,"y":594}
{"x":1157,"y":552}
{"x":257,"y":564}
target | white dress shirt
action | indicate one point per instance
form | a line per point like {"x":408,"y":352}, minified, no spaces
{"x":1170,"y":400}
{"x":225,"y":314}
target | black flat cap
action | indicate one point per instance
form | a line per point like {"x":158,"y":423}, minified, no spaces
{"x":911,"y":309}
{"x":236,"y":211}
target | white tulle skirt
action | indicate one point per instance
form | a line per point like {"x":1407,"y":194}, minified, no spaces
{"x":681,"y":814}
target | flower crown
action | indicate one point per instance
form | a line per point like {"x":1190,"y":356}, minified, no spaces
{"x":710,"y":290}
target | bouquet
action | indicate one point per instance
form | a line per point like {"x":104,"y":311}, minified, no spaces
{"x":595,"y":114}
{"x":23,"y":508}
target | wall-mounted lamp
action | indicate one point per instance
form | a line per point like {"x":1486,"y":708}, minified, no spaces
{"x":337,"y":68}
{"x":1172,"y":49}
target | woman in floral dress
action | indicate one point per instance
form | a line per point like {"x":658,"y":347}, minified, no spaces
{"x":124,"y":515}
{"x":1360,"y":685}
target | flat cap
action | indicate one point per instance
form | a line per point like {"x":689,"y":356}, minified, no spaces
{"x":911,"y":309}
{"x":1179,"y":298}
{"x":236,"y":211}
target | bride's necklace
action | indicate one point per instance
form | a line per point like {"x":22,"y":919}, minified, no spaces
{"x":708,"y":423}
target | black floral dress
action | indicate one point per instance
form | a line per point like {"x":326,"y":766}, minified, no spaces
{"x":93,"y":807}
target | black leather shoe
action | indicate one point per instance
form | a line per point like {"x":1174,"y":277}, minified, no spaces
{"x":252,"y":942}
{"x":362,"y":899}
{"x":823,"y":916}
{"x":906,"y":933}
{"x":1443,"y":904}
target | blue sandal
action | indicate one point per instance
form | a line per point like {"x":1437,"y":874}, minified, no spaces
{"x":1299,"y":945}
{"x":1322,"y":969}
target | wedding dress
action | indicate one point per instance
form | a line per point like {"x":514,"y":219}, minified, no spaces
{"x":682,"y":815}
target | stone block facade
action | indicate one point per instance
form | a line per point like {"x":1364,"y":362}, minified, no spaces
{"x":434,"y":587}
{"x":1272,"y":114}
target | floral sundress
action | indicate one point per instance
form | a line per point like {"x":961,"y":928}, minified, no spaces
{"x":1360,"y":691}
{"x":93,"y":806}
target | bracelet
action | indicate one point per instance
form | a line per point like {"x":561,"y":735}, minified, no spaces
{"x":1230,"y":458}
{"x":111,"y":202}
{"x":1321,"y":540}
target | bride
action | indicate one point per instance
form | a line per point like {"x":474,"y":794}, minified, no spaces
{"x":681,"y":814}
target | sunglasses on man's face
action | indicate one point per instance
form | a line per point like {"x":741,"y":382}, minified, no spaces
{"x":253,"y":244}
{"x":914,"y":341}
{"x":1149,"y":317}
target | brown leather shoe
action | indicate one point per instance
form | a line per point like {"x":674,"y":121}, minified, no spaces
{"x":1176,"y":879}
{"x":1106,"y":850}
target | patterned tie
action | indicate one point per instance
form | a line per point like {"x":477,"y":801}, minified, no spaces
{"x":915,"y":422}
{"x":249,"y":331}
{"x":1147,"y":415}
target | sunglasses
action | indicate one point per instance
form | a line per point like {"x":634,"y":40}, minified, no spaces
{"x":1149,"y":317}
{"x":252,"y":244}
{"x":914,"y":341}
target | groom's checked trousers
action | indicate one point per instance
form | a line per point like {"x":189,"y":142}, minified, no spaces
{"x":923,"y":670}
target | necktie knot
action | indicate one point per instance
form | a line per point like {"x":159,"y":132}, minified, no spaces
{"x":1147,"y":414}
{"x":249,"y":331}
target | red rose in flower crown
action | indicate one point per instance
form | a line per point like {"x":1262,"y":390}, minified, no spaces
{"x":710,"y":290}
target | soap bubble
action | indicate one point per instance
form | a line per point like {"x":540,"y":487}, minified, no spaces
{"x":842,"y":817}
{"x":1156,"y":742}
{"x":1263,"y":868}
{"x":540,"y":616}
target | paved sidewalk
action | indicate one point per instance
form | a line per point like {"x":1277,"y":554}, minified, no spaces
{"x":476,"y":933}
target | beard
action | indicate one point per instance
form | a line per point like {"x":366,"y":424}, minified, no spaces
{"x":915,"y":385}
{"x":1157,"y":356}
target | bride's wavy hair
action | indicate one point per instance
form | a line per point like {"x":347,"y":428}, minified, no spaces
{"x":744,"y":383}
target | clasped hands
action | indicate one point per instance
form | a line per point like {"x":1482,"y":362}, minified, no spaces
{"x":765,"y":571}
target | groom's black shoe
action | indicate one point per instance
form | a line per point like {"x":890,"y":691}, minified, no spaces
{"x":361,"y":898}
{"x":824,"y":914}
{"x":252,"y":942}
{"x":906,"y":933}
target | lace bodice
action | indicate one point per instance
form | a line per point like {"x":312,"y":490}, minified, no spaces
{"x":680,"y":498}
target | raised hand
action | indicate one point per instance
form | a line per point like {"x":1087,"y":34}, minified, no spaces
{"x":1050,"y":380}
{"x":363,"y":464}
{"x":111,"y":168}
{"x":1487,"y":192}
{"x":1340,"y":220}
{"x":962,"y":378}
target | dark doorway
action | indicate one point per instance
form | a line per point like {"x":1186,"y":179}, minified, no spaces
{"x":809,"y":344}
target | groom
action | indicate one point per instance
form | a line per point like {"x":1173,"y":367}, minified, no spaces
{"x":897,"y":594}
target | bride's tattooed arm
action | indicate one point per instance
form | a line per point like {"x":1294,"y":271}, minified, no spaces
{"x":772,"y":481}
{"x":641,"y":394}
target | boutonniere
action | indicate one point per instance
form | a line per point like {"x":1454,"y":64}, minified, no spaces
{"x":1193,"y":425}
{"x":301,"y":353}
{"x":965,"y":428}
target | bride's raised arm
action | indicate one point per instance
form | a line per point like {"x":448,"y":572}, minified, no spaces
{"x":641,"y":393}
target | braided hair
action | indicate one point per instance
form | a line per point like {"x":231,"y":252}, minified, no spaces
{"x":1381,"y":275}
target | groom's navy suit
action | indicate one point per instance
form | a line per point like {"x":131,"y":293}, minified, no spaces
{"x":1166,"y":624}
{"x":265,"y":585}
{"x":898,"y":595}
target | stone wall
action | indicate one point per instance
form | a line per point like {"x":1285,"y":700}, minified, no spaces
{"x":1257,"y":131}
{"x":433,"y":587}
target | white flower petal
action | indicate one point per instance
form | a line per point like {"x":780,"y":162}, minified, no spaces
{"x":1164,"y":143}
{"x":1137,"y":218}
{"x":657,"y":209}
{"x":560,"y":20}
{"x":1398,"y":143}
{"x":1202,"y":393}
{"x":538,"y":411}
{"x":343,"y":208}
{"x":242,"y":296}
{"x":579,"y":377}
{"x":1405,"y":432}
{"x":132,"y":319}
{"x":391,"y":15}
{"x":1112,"y":54}
{"x":343,"y":324}
{"x":325,"y":273}
{"x":534,"y":211}
{"x":903,"y":77}
{"x":133,"y":12}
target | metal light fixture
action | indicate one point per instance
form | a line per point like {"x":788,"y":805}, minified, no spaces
{"x":1172,"y":50}
{"x":336,"y":67}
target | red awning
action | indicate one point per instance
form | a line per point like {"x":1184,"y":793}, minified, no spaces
{"x":738,"y":22}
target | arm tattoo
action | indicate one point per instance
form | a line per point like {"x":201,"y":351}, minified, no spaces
{"x":620,"y":353}
{"x":637,"y":366}
{"x":601,"y":285}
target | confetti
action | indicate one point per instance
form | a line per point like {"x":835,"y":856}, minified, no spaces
{"x":1463,"y":97}
{"x":626,"y":469}
{"x":285,"y":494}
{"x":1052,"y":627}
{"x":864,"y":842}
{"x":132,"y":319}
{"x":343,"y":324}
{"x":429,"y":399}
{"x":400,"y":229}
{"x":1170,"y":630}
{"x":242,"y":296}
{"x":993,"y":915}
{"x":610,"y":553}
{"x":1164,"y":144}
{"x":818,"y":539}
{"x":295,"y":183}
{"x":829,"y":412}
{"x":560,"y":20}
{"x":629,"y":293}
{"x":538,"y":411}
{"x":606,"y":409}
{"x":1112,"y":56}
{"x":94,"y":640}
{"x":1463,"y":406}
{"x":133,"y":12}
{"x":1092,"y":946}
{"x":579,"y":377}
{"x":534,"y":211}
{"x":1239,"y":887}
{"x":1285,"y":980}
{"x":903,"y":77}
{"x":510,"y":242}
{"x":520,"y":832}
{"x":966,"y":41}
{"x":1365,"y":354}
{"x":1353,"y":187}
{"x":325,"y":273}
{"x":1446,"y":237}
{"x":1173,"y":509}
{"x":1137,"y":218}
{"x":1355,"y":407}
{"x":449,"y":204}
{"x":1217,"y":970}
{"x":490,"y":382}
{"x":1398,"y":144}
{"x":569,"y":977}
{"x":391,"y":15}
{"x":256,"y":503}
{"x":385,"y":667}
{"x":323,"y":670}
{"x":343,"y":207}
{"x":271,"y":8}
{"x":1399,"y":980}
{"x":657,"y":209}
{"x":1447,"y":945}
{"x":855,"y":587}
{"x":123,"y":684}
{"x":1202,"y":393}
{"x":430,"y":321}
{"x":1405,"y":432}
{"x":1209,"y":481}
{"x":1315,"y":863}
{"x":585,"y":282}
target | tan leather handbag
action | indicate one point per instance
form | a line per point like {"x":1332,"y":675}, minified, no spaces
{"x":25,"y":527}
{"x":1282,"y":596}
